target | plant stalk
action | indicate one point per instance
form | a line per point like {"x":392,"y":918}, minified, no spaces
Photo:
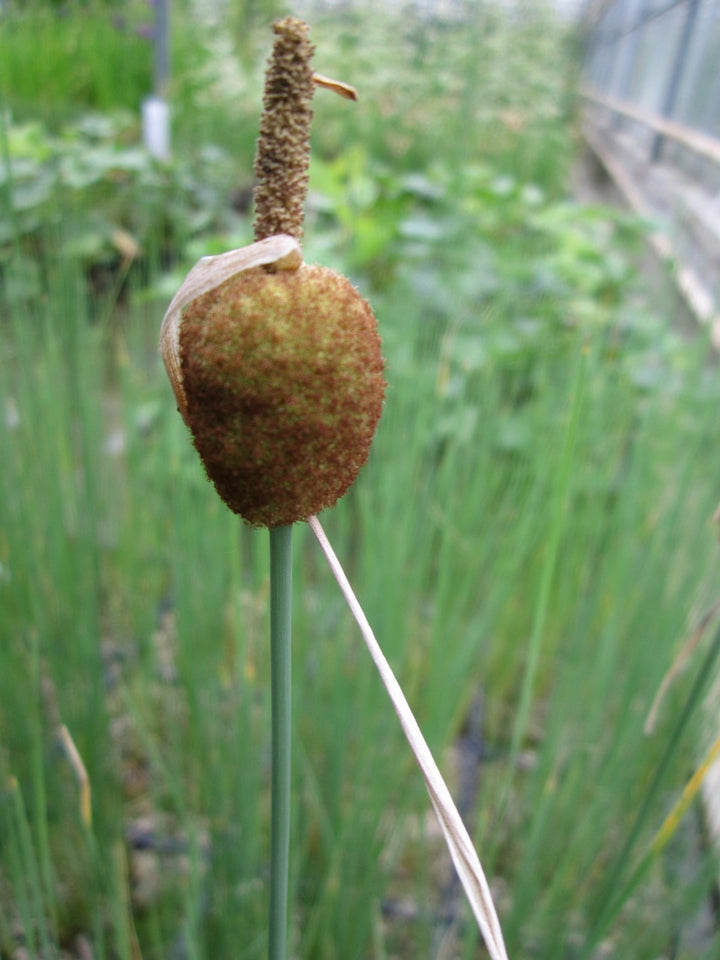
{"x":280,"y":682}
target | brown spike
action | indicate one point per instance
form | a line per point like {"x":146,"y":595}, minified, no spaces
{"x":283,"y":153}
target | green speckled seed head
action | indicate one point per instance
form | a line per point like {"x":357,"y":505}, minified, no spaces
{"x":283,"y":380}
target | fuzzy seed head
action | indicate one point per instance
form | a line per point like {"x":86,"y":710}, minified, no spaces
{"x":283,"y":376}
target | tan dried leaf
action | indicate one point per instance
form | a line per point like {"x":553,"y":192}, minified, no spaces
{"x":280,"y":252}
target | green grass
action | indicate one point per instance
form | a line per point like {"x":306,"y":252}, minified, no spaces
{"x":55,"y":56}
{"x":531,"y":540}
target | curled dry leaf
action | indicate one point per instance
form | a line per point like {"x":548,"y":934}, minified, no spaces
{"x":337,"y":86}
{"x":279,"y":253}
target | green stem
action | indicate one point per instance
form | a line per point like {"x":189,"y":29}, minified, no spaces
{"x":280,"y":654}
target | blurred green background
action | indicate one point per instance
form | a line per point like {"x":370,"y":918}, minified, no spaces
{"x":531,"y":538}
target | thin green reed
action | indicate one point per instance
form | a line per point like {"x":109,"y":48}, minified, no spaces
{"x":281,"y":709}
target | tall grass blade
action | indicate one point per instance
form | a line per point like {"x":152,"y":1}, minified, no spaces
{"x":617,"y":893}
{"x":549,"y":572}
{"x":678,"y":665}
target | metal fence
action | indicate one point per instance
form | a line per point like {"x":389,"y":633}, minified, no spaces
{"x":652,"y":115}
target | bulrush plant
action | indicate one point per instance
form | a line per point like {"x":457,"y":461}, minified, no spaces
{"x":277,"y":370}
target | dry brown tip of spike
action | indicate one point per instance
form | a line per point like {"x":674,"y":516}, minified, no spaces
{"x":337,"y":86}
{"x":283,"y":153}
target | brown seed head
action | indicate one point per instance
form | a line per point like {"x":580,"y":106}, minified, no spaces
{"x":283,"y":377}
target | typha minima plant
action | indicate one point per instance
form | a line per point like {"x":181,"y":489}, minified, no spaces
{"x":277,"y":370}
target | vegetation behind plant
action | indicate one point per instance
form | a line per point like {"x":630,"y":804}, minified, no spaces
{"x":531,"y":537}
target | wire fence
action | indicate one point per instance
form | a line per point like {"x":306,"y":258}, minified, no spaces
{"x":651,"y":85}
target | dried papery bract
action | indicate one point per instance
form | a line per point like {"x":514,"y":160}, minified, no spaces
{"x":279,"y":253}
{"x":337,"y":86}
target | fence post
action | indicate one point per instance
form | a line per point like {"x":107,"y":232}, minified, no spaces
{"x":155,"y":109}
{"x":635,"y":21}
{"x":162,"y":46}
{"x":676,"y":75}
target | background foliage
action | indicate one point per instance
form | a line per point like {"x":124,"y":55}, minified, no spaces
{"x":531,"y":537}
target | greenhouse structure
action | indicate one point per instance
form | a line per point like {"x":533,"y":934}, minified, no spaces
{"x":651,"y":91}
